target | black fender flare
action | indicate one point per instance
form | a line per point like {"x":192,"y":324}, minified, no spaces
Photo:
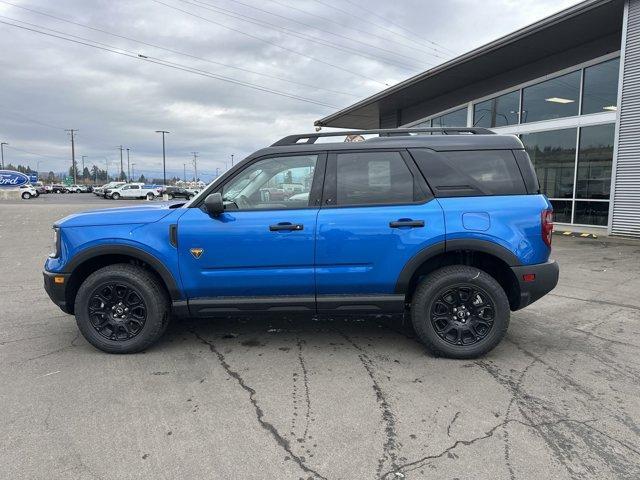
{"x":470,"y":244}
{"x":137,"y":253}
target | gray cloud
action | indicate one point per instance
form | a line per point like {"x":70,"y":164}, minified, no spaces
{"x":48,"y":84}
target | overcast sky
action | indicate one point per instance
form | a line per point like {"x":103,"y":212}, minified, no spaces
{"x":326,"y":53}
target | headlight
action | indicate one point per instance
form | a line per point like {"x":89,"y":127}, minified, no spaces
{"x":55,"y":250}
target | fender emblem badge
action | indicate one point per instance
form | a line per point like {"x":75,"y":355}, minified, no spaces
{"x":196,"y":252}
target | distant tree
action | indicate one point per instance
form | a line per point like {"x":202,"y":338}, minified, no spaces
{"x":288,"y":177}
{"x":142,"y":179}
{"x":51,"y":177}
{"x":86,"y":174}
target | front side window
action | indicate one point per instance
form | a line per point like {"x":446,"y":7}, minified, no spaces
{"x":555,"y":98}
{"x":373,"y":178}
{"x":497,"y":112}
{"x":272,"y":183}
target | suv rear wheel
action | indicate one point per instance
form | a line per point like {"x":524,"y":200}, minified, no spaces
{"x":460,"y":312}
{"x":122,"y":309}
{"x":26,"y":195}
{"x":115,"y":196}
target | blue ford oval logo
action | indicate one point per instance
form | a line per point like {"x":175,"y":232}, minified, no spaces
{"x":9,"y":178}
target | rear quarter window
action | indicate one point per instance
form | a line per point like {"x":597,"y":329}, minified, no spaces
{"x":470,"y":173}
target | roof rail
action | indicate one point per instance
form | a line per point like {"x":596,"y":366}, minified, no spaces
{"x":385,"y":132}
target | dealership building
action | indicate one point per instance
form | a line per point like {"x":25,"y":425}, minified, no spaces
{"x":568,"y":86}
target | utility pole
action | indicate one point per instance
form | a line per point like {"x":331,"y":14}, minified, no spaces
{"x":72,"y":132}
{"x":121,"y":174}
{"x":232,"y":160}
{"x":106,"y":167}
{"x":2,"y":144}
{"x":133,"y":169}
{"x":128,"y":167}
{"x":83,"y":157}
{"x":164,"y":166}
{"x":184,"y":172}
{"x":195,"y":164}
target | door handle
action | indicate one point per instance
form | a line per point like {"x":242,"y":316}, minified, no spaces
{"x":283,"y":226}
{"x":406,"y":223}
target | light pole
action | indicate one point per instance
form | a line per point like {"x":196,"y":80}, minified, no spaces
{"x":184,"y":172}
{"x":121,"y":174}
{"x":165,"y":197}
{"x":133,"y":169}
{"x":38,"y":168}
{"x":232,"y":160}
{"x":2,"y":144}
{"x":128,"y":167}
{"x":83,"y":179}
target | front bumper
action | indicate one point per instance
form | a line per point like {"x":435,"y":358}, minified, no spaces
{"x":545,"y":279}
{"x":57,"y":291}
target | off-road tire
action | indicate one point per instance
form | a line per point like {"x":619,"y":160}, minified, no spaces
{"x":429,"y":290}
{"x":145,"y":284}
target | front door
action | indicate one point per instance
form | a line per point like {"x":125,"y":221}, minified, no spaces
{"x":377,"y":214}
{"x":258,"y":254}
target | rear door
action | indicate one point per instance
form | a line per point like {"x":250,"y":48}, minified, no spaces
{"x":377,"y":214}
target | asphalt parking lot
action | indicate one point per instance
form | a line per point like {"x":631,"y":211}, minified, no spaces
{"x":337,"y":399}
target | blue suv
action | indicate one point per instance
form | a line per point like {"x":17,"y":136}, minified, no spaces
{"x":445,"y":225}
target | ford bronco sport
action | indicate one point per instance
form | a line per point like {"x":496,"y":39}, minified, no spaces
{"x":446,"y":225}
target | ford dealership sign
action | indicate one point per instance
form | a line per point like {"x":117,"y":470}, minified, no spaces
{"x":9,"y":178}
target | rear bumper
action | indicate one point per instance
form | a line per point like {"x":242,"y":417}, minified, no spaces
{"x":57,"y":291}
{"x":546,"y":279}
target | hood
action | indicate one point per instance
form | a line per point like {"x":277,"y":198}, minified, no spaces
{"x":116,"y":216}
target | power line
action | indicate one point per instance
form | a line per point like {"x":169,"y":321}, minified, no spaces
{"x":268,"y":42}
{"x":342,"y":25}
{"x":440,"y":48}
{"x":32,"y":120}
{"x":268,"y":12}
{"x":229,"y":13}
{"x":177,"y":52}
{"x":32,"y":153}
{"x":165,"y":63}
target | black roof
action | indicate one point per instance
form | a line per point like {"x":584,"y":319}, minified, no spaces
{"x":456,"y":139}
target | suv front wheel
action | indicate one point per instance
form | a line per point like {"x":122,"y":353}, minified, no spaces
{"x":122,"y":308}
{"x":460,"y":312}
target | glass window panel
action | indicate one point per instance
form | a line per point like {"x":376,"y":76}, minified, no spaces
{"x":592,"y":213}
{"x":561,"y":210}
{"x":555,"y":98}
{"x":595,"y":158}
{"x":273,"y":183}
{"x":373,"y":178}
{"x":497,"y":112}
{"x":457,"y":118}
{"x":600,"y":91}
{"x":553,"y":154}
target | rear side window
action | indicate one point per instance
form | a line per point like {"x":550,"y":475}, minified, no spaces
{"x":470,"y":173}
{"x":373,"y":178}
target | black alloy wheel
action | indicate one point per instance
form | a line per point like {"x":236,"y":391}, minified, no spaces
{"x":117,"y":311}
{"x":462,"y":314}
{"x":460,"y":311}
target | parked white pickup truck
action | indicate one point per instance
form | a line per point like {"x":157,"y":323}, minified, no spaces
{"x":133,"y":190}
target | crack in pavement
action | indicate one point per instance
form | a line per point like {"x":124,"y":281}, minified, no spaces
{"x":280,"y":440}
{"x":307,"y":394}
{"x":410,"y":466}
{"x":600,"y":302}
{"x":453,"y":420}
{"x":390,"y":446}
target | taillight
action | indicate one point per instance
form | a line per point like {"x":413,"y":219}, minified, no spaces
{"x":547,"y":226}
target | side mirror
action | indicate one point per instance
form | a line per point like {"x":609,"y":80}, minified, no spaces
{"x":213,"y":204}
